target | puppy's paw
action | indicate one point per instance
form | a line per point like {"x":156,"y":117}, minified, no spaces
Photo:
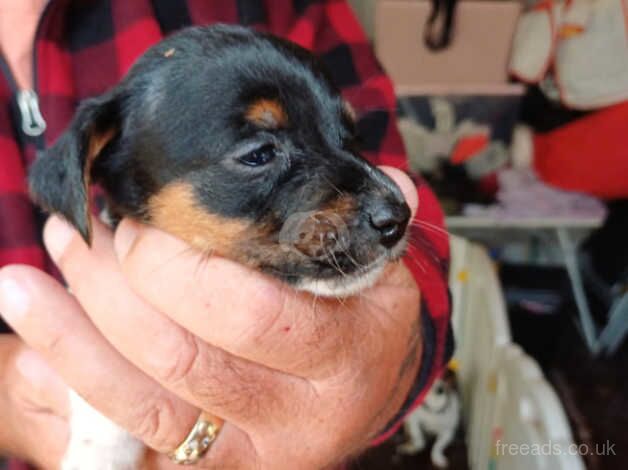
{"x":94,"y":457}
{"x":439,"y":460}
{"x":96,"y":443}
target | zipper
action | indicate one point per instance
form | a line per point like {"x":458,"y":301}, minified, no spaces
{"x":32,"y":124}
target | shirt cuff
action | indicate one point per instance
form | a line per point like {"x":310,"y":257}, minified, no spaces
{"x":428,"y":371}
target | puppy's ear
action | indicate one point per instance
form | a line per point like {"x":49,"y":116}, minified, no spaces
{"x":60,"y":177}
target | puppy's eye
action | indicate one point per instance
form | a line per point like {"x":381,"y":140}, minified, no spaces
{"x":260,"y":156}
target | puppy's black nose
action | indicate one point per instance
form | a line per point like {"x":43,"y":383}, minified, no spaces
{"x":390,"y":220}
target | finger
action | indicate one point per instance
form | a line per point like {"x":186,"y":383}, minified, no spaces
{"x":203,"y":375}
{"x":406,"y":185}
{"x":36,"y":380}
{"x":52,"y":322}
{"x":232,"y":449}
{"x":235,"y":308}
{"x":33,"y":406}
{"x":43,"y":424}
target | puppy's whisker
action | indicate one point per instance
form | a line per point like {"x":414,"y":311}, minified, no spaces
{"x":341,"y":300}
{"x":314,"y":301}
{"x":428,"y":250}
{"x":336,"y":264}
{"x":417,"y":263}
{"x":278,"y":272}
{"x":358,"y":265}
{"x":185,"y":251}
{"x":430,"y":226}
{"x":333,"y":186}
{"x":203,"y":261}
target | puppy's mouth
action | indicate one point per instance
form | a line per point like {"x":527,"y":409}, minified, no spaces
{"x":333,"y":251}
{"x":348,"y":284}
{"x":335,"y":260}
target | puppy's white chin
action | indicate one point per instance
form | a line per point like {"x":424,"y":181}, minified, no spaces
{"x":342,"y":286}
{"x":347,"y":286}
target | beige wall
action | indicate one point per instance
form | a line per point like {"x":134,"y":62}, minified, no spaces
{"x":365,"y":11}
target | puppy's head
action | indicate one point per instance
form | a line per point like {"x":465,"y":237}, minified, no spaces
{"x":237,"y":143}
{"x":438,"y":396}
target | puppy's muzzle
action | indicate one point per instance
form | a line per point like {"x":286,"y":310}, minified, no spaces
{"x":315,"y":234}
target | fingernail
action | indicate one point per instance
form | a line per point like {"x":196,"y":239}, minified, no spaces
{"x":57,"y":235}
{"x":126,"y":233}
{"x":14,"y":300}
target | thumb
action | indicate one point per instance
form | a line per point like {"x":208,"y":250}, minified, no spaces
{"x":405,"y":184}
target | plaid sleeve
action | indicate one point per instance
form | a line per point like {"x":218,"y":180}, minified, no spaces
{"x":331,"y":30}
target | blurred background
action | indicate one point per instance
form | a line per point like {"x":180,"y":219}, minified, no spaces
{"x":516,"y":112}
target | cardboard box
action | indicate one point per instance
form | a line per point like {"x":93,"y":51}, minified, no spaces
{"x":474,"y":63}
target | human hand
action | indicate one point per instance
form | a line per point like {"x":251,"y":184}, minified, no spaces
{"x":33,"y":406}
{"x":154,"y":334}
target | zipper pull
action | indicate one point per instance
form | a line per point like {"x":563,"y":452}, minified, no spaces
{"x":33,"y":123}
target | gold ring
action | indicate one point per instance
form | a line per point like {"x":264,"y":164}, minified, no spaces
{"x":198,"y":442}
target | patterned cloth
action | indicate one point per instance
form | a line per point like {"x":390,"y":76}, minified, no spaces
{"x":84,"y":47}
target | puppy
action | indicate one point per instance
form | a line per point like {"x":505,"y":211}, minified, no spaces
{"x":438,"y":416}
{"x":238,"y":143}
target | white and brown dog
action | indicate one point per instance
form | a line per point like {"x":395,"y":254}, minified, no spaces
{"x":437,"y":416}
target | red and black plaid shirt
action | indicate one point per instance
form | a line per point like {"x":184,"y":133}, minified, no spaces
{"x":84,"y":47}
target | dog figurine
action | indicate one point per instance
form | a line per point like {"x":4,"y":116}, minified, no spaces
{"x":438,"y":416}
{"x":237,"y":143}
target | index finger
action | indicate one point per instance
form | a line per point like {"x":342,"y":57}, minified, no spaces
{"x":235,"y":308}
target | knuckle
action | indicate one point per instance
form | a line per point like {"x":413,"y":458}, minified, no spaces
{"x":225,"y":384}
{"x":180,"y":360}
{"x":154,"y":419}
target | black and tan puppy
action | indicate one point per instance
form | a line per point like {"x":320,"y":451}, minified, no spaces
{"x":237,"y":143}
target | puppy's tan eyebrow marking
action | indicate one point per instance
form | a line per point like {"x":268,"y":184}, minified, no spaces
{"x":267,"y":113}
